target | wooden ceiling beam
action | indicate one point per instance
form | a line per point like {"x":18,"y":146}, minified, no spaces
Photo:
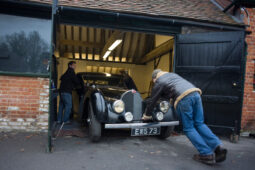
{"x":142,"y":45}
{"x":65,"y":29}
{"x":82,"y":43}
{"x":80,"y":38}
{"x":72,"y":37}
{"x":95,"y":40}
{"x":122,"y":46}
{"x":130,"y":46}
{"x":87,"y":51}
{"x":116,"y":35}
{"x":158,"y":51}
{"x":135,"y":54}
{"x":88,"y":40}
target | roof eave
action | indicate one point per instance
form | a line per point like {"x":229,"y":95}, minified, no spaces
{"x":173,"y":20}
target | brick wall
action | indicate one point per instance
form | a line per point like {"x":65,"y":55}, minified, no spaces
{"x":24,"y":103}
{"x":248,"y":113}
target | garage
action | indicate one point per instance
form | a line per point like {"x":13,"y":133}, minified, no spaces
{"x":210,"y":56}
{"x":128,"y":55}
{"x":134,"y":55}
{"x":209,"y":52}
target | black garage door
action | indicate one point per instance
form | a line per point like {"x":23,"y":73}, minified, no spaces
{"x":214,"y":62}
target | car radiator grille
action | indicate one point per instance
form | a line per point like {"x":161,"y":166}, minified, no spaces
{"x":133,"y":103}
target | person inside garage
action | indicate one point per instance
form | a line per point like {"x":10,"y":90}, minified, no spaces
{"x":128,"y":81}
{"x":188,"y":105}
{"x":69,"y":81}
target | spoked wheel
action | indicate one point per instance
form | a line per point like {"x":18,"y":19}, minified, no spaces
{"x":166,"y":132}
{"x":95,"y":127}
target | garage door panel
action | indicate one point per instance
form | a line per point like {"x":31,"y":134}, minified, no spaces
{"x":221,"y":84}
{"x":207,"y":54}
{"x":214,"y":63}
{"x":213,"y":111}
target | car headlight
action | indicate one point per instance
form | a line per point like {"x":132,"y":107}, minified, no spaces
{"x":159,"y":116}
{"x":128,"y":116}
{"x":118,"y":106}
{"x":164,"y":106}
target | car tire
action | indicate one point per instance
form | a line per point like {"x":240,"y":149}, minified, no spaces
{"x":166,"y":132}
{"x":95,"y":127}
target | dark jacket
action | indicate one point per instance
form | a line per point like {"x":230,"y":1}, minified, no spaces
{"x":169,"y":86}
{"x":68,"y":81}
{"x":130,"y":84}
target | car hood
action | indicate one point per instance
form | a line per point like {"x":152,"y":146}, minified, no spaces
{"x":112,"y":92}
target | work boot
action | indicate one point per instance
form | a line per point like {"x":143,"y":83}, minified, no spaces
{"x":220,"y":154}
{"x":206,"y":159}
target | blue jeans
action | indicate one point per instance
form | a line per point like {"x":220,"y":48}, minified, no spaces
{"x":190,"y":110}
{"x":65,"y":104}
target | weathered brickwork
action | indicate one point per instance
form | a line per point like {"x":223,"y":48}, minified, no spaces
{"x":248,"y":113}
{"x":24,"y":103}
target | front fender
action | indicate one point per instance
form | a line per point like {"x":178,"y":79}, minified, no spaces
{"x":99,"y":106}
{"x":170,"y":115}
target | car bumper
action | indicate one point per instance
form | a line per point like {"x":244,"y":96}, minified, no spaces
{"x":140,"y":125}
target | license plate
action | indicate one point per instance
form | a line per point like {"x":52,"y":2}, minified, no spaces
{"x":145,"y":131}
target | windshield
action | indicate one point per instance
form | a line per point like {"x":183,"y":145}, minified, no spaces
{"x":103,"y":80}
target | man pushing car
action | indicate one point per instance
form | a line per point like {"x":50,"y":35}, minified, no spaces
{"x":188,"y":105}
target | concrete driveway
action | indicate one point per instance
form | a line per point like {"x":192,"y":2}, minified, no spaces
{"x":116,"y":151}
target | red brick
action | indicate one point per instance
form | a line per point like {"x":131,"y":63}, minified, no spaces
{"x":248,"y":111}
{"x":21,"y":92}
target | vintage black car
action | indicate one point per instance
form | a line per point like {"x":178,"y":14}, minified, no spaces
{"x":107,"y":103}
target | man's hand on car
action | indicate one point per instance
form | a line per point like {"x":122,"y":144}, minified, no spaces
{"x":145,"y":117}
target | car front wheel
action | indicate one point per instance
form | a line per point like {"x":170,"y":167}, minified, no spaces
{"x":95,"y":127}
{"x":166,"y":132}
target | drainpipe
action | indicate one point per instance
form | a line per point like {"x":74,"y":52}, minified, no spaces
{"x":229,"y":6}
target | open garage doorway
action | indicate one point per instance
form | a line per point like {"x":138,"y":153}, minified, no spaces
{"x":212,"y":61}
{"x":95,"y":51}
{"x":209,"y":55}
